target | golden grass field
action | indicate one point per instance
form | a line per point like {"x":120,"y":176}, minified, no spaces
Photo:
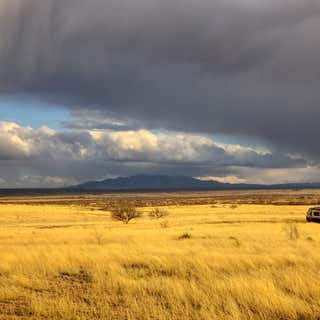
{"x":234,"y":262}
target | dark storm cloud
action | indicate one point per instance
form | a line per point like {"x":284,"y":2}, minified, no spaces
{"x":246,"y":67}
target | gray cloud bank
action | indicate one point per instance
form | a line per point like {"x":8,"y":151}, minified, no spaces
{"x":238,"y":67}
{"x":45,"y":157}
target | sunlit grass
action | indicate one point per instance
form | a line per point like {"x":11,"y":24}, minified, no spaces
{"x":69,"y":262}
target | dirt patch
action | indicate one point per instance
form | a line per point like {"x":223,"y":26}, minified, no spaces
{"x":81,"y":277}
{"x":254,"y":221}
{"x":55,"y":227}
{"x":142,"y":270}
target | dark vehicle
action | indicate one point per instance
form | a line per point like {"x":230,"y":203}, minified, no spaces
{"x":313,"y":214}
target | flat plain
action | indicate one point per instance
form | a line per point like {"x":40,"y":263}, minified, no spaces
{"x":216,"y":255}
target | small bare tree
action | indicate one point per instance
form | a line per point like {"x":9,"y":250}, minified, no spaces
{"x":125,"y":213}
{"x":158,"y":213}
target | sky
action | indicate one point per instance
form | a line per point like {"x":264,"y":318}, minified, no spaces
{"x":226,"y":90}
{"x":29,"y":111}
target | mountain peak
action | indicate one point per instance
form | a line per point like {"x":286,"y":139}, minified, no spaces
{"x":152,"y":182}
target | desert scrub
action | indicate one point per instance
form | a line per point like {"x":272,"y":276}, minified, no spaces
{"x":292,"y":231}
{"x":125,"y":213}
{"x":185,"y":235}
{"x":164,"y":224}
{"x":52,"y":266}
{"x":235,"y":241}
{"x":98,"y":236}
{"x":158,"y":213}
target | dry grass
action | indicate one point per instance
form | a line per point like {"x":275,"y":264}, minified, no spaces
{"x":76,"y":263}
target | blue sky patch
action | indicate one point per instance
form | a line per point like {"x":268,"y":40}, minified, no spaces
{"x":32,"y":112}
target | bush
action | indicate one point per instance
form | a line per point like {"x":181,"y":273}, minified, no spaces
{"x":125,"y":213}
{"x":185,"y":235}
{"x":158,"y":213}
{"x":236,"y":241}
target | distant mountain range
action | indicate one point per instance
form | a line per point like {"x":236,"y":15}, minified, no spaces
{"x":163,"y":182}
